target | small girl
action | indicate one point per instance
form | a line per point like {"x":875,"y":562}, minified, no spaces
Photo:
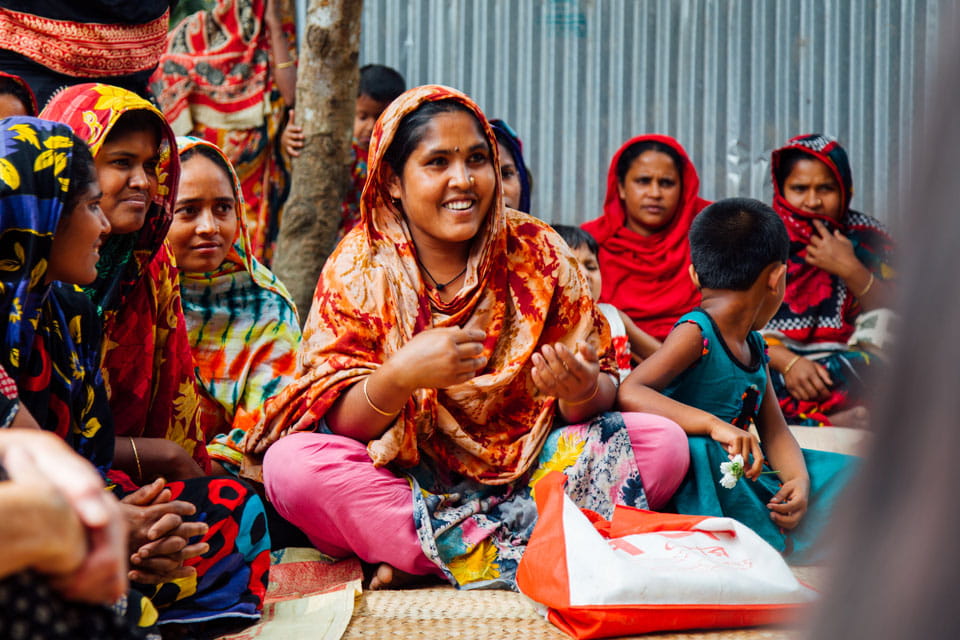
{"x":711,"y":377}
{"x":630,"y":341}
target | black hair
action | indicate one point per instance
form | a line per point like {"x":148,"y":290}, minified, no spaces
{"x":10,"y":87}
{"x":633,"y":152}
{"x":82,"y":173}
{"x":576,"y":237}
{"x":136,"y":120}
{"x":411,"y":130}
{"x":733,"y":240}
{"x":381,"y":83}
{"x":787,"y":160}
{"x":214,"y":157}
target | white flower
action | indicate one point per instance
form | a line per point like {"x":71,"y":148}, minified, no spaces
{"x":732,"y":471}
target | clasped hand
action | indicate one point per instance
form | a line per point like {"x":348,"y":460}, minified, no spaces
{"x":159,"y":536}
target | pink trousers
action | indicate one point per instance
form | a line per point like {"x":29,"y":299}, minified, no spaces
{"x":327,"y":486}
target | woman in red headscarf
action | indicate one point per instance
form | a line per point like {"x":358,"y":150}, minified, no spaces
{"x":652,"y":197}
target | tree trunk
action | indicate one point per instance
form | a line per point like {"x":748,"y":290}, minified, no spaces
{"x":327,"y":85}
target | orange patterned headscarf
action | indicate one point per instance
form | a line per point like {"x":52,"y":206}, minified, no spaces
{"x":523,"y":287}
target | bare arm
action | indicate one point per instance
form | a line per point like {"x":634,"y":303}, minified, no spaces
{"x":790,"y":503}
{"x":833,"y":253}
{"x":641,"y":391}
{"x":284,"y":69}
{"x":642,"y":344}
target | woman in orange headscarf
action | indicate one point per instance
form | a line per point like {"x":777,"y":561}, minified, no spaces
{"x":448,"y":338}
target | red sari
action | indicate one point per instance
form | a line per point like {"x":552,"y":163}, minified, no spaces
{"x":647,"y":277}
{"x":147,"y":362}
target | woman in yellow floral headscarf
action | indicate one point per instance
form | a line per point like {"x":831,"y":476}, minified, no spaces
{"x":147,"y":362}
{"x":447,"y":336}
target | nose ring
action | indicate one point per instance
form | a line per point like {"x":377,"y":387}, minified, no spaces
{"x":472,"y":179}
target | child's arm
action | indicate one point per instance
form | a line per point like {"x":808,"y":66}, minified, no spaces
{"x":789,"y":504}
{"x":642,"y":344}
{"x":641,"y":391}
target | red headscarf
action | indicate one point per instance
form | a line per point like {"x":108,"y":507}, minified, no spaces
{"x":32,"y":106}
{"x":647,"y":277}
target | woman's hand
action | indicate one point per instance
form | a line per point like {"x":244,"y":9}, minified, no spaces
{"x":154,"y":458}
{"x":565,"y":375}
{"x":808,"y":380}
{"x":291,"y":140}
{"x":159,"y":536}
{"x":832,"y":252}
{"x":98,"y":574}
{"x":739,"y":441}
{"x":439,"y":358}
{"x":789,"y":504}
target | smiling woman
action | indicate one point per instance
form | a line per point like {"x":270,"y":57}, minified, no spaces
{"x":449,"y":338}
{"x":147,"y":361}
{"x":243,"y":326}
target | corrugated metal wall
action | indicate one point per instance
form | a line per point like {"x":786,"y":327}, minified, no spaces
{"x":730,"y":79}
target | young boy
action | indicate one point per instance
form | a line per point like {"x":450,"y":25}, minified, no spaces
{"x":711,"y":377}
{"x":379,"y":86}
{"x":629,"y":340}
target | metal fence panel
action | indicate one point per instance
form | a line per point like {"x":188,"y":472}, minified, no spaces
{"x":731,"y":80}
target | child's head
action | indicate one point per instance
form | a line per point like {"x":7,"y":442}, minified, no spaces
{"x":586,"y":250}
{"x":16,"y":99}
{"x":379,"y":86}
{"x":740,"y":244}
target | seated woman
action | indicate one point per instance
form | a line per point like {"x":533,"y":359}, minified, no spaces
{"x":148,"y":367}
{"x":243,"y":326}
{"x":198,"y":548}
{"x":514,"y":173}
{"x":449,"y":339}
{"x":832,"y":325}
{"x":652,"y":197}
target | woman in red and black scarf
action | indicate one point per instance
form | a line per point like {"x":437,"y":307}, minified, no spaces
{"x":832,"y":325}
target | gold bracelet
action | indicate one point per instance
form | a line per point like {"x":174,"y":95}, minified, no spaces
{"x":867,"y":288}
{"x":791,"y":363}
{"x":596,"y":390}
{"x":136,"y":456}
{"x":285,"y":65}
{"x":373,"y":406}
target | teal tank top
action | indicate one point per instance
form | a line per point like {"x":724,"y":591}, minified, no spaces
{"x":717,"y":382}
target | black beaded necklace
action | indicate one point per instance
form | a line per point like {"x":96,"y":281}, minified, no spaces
{"x":440,"y":286}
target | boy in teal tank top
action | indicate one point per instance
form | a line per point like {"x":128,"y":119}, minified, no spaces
{"x":711,"y":377}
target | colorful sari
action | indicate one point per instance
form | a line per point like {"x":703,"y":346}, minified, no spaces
{"x":647,"y":277}
{"x":244,"y":333}
{"x":214,"y":83}
{"x":819,"y":314}
{"x":474,"y":451}
{"x":52,"y":344}
{"x":147,"y":364}
{"x":56,"y":43}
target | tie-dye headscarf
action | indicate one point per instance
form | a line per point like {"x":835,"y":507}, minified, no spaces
{"x":522,"y":286}
{"x":244,"y":332}
{"x":51,"y":337}
{"x":147,"y":363}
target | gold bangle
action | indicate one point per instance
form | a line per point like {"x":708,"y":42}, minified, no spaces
{"x":136,"y":456}
{"x":867,"y":288}
{"x":596,"y":390}
{"x":285,"y":65}
{"x":791,"y":363}
{"x":373,"y":406}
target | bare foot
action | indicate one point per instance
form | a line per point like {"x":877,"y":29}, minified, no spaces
{"x":854,"y":418}
{"x":388,"y":577}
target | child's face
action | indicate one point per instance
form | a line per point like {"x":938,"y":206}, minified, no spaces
{"x":368,"y":110}
{"x":590,"y":268}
